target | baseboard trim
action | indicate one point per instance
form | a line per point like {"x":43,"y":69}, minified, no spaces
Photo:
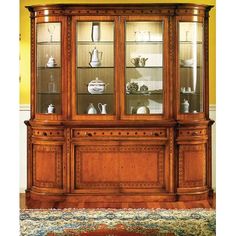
{"x":24,"y":107}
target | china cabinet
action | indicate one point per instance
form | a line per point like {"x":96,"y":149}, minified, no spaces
{"x":119,"y":104}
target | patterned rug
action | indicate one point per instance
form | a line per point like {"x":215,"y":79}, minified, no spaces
{"x":149,"y":222}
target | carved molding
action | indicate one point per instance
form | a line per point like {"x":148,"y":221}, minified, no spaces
{"x":191,"y":183}
{"x":57,"y":151}
{"x":79,"y":150}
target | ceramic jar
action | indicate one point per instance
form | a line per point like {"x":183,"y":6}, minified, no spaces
{"x":96,"y":86}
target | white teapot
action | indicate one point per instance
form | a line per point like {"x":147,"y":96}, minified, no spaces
{"x":95,"y":58}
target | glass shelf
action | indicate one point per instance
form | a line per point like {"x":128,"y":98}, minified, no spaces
{"x":143,"y":42}
{"x":89,"y":94}
{"x":144,"y":94}
{"x":46,"y":67}
{"x":190,"y":67}
{"x":144,"y":67}
{"x":48,"y":93}
{"x":95,"y":43}
{"x":190,"y":42}
{"x":49,"y":43}
{"x":189,"y":93}
{"x":99,"y":67}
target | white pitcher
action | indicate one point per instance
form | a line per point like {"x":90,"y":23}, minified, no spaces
{"x":102,"y":108}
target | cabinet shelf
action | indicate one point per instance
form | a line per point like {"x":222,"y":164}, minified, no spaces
{"x":89,"y":94}
{"x":190,"y":42}
{"x":99,"y":67}
{"x":148,"y":93}
{"x":143,"y":42}
{"x":48,"y":43}
{"x":48,"y":93}
{"x":190,"y":67}
{"x":48,"y":68}
{"x":189,"y":93}
{"x":143,"y":67}
{"x":95,"y":43}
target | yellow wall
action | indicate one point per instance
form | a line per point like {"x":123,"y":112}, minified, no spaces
{"x":25,"y":40}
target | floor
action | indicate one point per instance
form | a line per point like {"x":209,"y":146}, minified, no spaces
{"x":211,"y":203}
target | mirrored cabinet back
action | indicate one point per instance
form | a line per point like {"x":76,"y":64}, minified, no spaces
{"x":119,"y":104}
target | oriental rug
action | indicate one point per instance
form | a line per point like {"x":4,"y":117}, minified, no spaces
{"x":117,"y":222}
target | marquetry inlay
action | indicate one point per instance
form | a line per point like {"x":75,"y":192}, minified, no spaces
{"x":44,"y":155}
{"x":194,"y":156}
{"x":48,"y":133}
{"x":192,"y":132}
{"x":119,"y":133}
{"x":101,"y":149}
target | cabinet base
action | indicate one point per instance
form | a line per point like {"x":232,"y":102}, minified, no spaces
{"x":40,"y":200}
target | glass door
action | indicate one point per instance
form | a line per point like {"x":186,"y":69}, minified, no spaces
{"x":95,"y":68}
{"x":144,"y":68}
{"x":48,"y":70}
{"x":191,"y":67}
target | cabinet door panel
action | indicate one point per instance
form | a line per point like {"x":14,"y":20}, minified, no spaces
{"x":145,"y":64}
{"x":49,"y":69}
{"x":94,"y":71}
{"x":119,"y":165}
{"x":192,"y":165}
{"x":48,"y":166}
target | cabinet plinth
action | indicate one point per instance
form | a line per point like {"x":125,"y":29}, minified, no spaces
{"x":119,"y":104}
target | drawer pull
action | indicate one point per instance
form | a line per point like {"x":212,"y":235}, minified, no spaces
{"x":88,"y":134}
{"x":155,"y":134}
{"x":45,"y":134}
{"x":194,"y":133}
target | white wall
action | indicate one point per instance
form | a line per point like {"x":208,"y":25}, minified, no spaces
{"x":25,"y":115}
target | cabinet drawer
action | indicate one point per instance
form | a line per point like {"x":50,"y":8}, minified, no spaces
{"x":76,"y":133}
{"x":192,"y":132}
{"x":48,"y":133}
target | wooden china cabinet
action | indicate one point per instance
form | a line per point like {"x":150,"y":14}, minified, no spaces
{"x":119,"y":104}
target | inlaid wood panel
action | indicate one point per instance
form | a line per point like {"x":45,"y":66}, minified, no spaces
{"x":192,"y":165}
{"x":131,"y":166}
{"x":48,"y":166}
{"x":119,"y":133}
{"x":48,"y":133}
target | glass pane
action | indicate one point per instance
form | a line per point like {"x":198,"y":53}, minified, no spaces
{"x":191,"y":67}
{"x":144,"y":67}
{"x":95,"y":68}
{"x":48,"y":77}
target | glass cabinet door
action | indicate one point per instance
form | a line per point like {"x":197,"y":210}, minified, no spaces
{"x":191,"y":67}
{"x":48,"y":71}
{"x":144,"y":67}
{"x":95,"y":82}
